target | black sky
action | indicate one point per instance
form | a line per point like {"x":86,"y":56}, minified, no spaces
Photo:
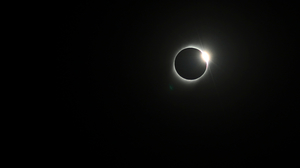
{"x":117,"y":94}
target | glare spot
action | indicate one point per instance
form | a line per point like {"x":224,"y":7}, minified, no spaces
{"x":205,"y":56}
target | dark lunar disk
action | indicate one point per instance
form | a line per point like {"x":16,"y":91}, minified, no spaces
{"x":189,"y":63}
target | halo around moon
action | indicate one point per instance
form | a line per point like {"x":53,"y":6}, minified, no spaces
{"x":203,"y":55}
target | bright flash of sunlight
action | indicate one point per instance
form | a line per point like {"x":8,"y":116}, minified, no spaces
{"x":205,"y":56}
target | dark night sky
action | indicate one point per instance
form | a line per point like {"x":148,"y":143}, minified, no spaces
{"x":114,"y":77}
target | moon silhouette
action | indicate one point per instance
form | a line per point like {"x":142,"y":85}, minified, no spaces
{"x":191,"y":63}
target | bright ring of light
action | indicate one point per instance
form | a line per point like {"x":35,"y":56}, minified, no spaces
{"x":204,"y":56}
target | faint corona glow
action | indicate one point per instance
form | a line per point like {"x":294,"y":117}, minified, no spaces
{"x":204,"y":56}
